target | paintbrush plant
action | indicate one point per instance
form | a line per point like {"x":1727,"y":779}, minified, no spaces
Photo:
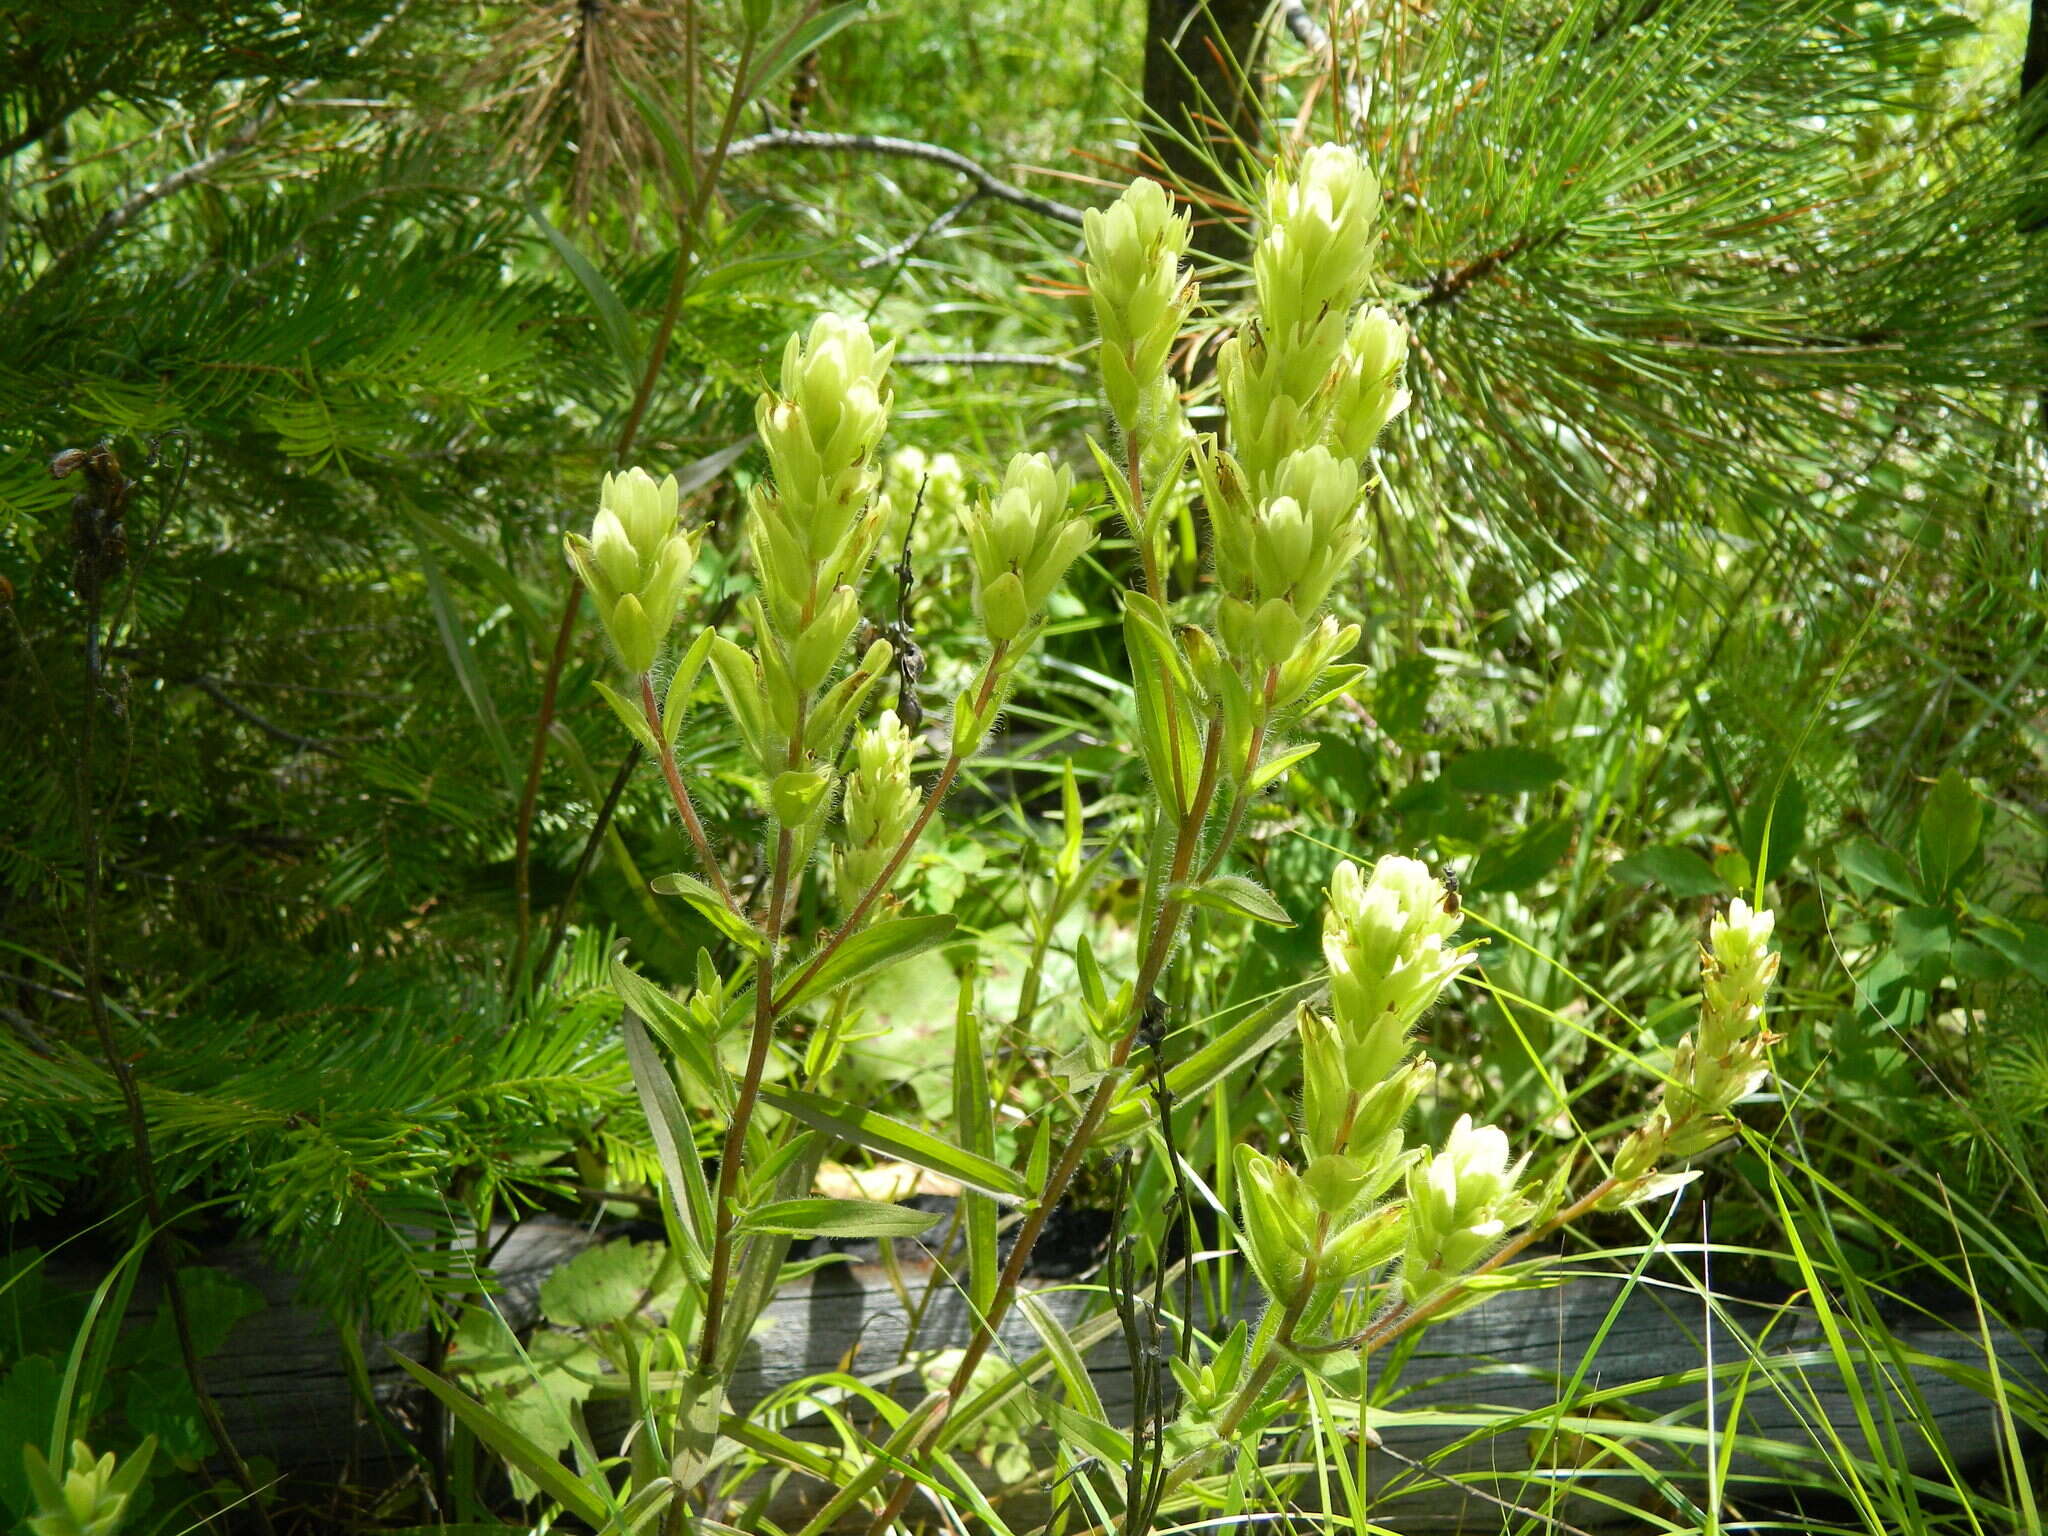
{"x":1358,"y":1215}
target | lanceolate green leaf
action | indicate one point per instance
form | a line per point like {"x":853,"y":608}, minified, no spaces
{"x":881,"y":1133}
{"x":714,"y":910}
{"x":548,"y":1474}
{"x":455,"y":640}
{"x":1238,"y":895}
{"x":682,"y":1034}
{"x":822,"y":1217}
{"x":1259,"y":1030}
{"x":673,"y":1142}
{"x":974,"y":1123}
{"x":872,"y":948}
{"x":613,"y":319}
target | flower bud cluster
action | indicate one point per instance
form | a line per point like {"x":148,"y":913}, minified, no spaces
{"x":1307,"y":383}
{"x":1023,"y":543}
{"x":1460,"y":1204}
{"x":811,"y":529}
{"x":881,"y":804}
{"x":1135,"y":250}
{"x":1306,"y":369}
{"x":1387,"y":939}
{"x":1302,"y":1257}
{"x":1277,"y":564}
{"x":90,"y":1498}
{"x":635,"y":563}
{"x":1722,"y":1063}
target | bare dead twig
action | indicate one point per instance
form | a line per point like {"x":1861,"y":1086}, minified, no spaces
{"x":990,"y":184}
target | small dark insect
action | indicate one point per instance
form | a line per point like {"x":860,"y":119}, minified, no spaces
{"x":1152,"y":1021}
{"x":909,"y":659}
{"x":1452,"y":904}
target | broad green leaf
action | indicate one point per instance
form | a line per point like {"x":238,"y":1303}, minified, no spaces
{"x":1951,"y":827}
{"x":1518,"y":862}
{"x":714,"y":910}
{"x":821,"y":1217}
{"x":1503,"y":771}
{"x":870,"y":949}
{"x":894,"y":1138}
{"x":2024,"y":944}
{"x":1923,"y":935}
{"x":613,"y":319}
{"x":1401,"y":701}
{"x":1773,"y":831}
{"x":1879,"y":868}
{"x":600,"y":1286}
{"x":545,"y":1471}
{"x":1236,"y":894}
{"x":1979,"y":962}
{"x":1678,"y":870}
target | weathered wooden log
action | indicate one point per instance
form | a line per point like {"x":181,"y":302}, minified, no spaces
{"x":1476,"y":1402}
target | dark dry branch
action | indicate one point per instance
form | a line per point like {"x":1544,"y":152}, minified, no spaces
{"x":986,"y":180}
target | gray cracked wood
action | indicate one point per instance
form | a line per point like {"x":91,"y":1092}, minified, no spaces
{"x":283,"y":1385}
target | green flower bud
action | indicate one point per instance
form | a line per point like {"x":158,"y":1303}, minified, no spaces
{"x":1004,"y":611}
{"x":1460,"y":1202}
{"x":1366,"y":1244}
{"x":1368,"y":392}
{"x":1135,"y":249}
{"x":1321,"y":646}
{"x":739,"y":682}
{"x":881,"y":804}
{"x":1023,"y":542}
{"x":1387,"y":941}
{"x":1278,"y":630}
{"x":1279,"y":1222}
{"x":635,"y":563}
{"x":824,"y":639}
{"x":1334,"y":1181}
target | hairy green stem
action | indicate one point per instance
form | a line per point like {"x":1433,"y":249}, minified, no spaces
{"x":629,"y":433}
{"x":881,"y":882}
{"x":1062,"y":1175}
{"x":743,"y":1110}
{"x":681,"y":795}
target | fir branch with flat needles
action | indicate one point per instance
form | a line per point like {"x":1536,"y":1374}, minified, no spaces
{"x":100,"y":554}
